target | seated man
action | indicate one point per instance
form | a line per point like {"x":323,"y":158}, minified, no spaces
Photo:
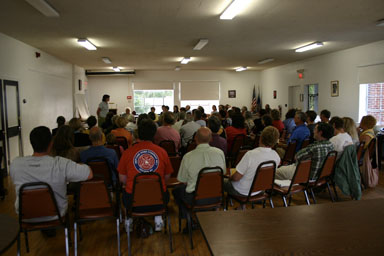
{"x":301,"y":132}
{"x":318,"y":150}
{"x":166,"y":132}
{"x":144,"y":157}
{"x":341,"y":138}
{"x":217,"y":141}
{"x":188,"y":130}
{"x":40,"y":167}
{"x":195,"y":160}
{"x":241,"y":181}
{"x":98,"y":150}
{"x":325,"y":115}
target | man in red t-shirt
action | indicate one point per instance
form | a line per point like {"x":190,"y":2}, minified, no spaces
{"x":144,"y":157}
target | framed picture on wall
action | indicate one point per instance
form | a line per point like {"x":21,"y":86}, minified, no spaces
{"x":334,"y":88}
{"x":232,"y":94}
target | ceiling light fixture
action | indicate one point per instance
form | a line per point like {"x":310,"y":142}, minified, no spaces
{"x":380,"y":23}
{"x":106,"y":60}
{"x":45,"y":8}
{"x":241,"y":69}
{"x":233,"y":9}
{"x":117,"y":69}
{"x":309,"y":47}
{"x":200,"y":44}
{"x":265,"y":61}
{"x":86,"y":44}
{"x":177,"y":68}
{"x":185,"y":60}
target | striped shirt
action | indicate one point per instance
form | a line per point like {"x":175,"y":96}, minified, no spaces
{"x":319,"y":151}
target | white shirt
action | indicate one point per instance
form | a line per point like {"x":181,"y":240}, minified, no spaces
{"x":248,"y":166}
{"x":187,"y":131}
{"x":340,"y":141}
{"x":104,"y":109}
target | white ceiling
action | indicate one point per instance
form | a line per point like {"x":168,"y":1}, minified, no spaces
{"x":156,"y":34}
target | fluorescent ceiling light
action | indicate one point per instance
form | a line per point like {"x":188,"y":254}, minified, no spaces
{"x":380,"y":23}
{"x":107,"y":60}
{"x":200,"y":44}
{"x":185,"y":60}
{"x":177,"y":68}
{"x":44,"y":7}
{"x":265,"y":61}
{"x":234,"y":8}
{"x":117,"y":69}
{"x":309,"y":47}
{"x":241,"y":69}
{"x":87,"y":44}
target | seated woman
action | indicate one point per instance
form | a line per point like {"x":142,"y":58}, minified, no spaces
{"x":367,"y":124}
{"x":276,"y":122}
{"x":236,"y":129}
{"x":350,"y":128}
{"x":120,"y":131}
{"x":63,"y":144}
{"x":249,"y":124}
{"x":81,"y":139}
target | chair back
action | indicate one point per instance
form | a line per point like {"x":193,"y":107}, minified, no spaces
{"x":209,"y":183}
{"x":116,"y":148}
{"x":237,"y":143}
{"x":328,"y":165}
{"x":289,"y":153}
{"x":302,"y":172}
{"x":264,"y":177}
{"x":240,"y":154}
{"x":147,"y":190}
{"x":36,"y":200}
{"x":283,"y":134}
{"x":122,"y":141}
{"x":305,"y":143}
{"x":175,"y":162}
{"x":169,"y":146}
{"x":360,"y":151}
{"x":101,"y":169}
{"x":191,"y":145}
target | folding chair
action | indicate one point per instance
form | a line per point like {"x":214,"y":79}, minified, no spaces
{"x":169,"y":146}
{"x":116,"y":148}
{"x":325,"y":176}
{"x":191,"y":145}
{"x":122,"y":141}
{"x":237,"y":143}
{"x":37,"y":200}
{"x":262,"y":184}
{"x":289,"y":156}
{"x":299,"y":183}
{"x":148,"y":191}
{"x":175,"y":161}
{"x":94,"y":203}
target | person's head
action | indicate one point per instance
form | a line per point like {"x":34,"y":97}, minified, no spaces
{"x":300,"y":118}
{"x":269,"y":136}
{"x":367,"y":122}
{"x":275,"y":114}
{"x":291,"y":113}
{"x":221,"y":107}
{"x":214,"y":124}
{"x":105,"y":98}
{"x":152,"y":116}
{"x":262,"y":112}
{"x":238,"y":120}
{"x":60,"y":121}
{"x":166,"y":108}
{"x":325,"y":115}
{"x":142,"y":117}
{"x":63,"y":141}
{"x":223,"y":113}
{"x":214,"y":108}
{"x":247,"y":115}
{"x":40,"y":138}
{"x":189,"y":117}
{"x":91,"y":121}
{"x":121,"y":122}
{"x":203,"y":136}
{"x":110,"y":139}
{"x":175,"y":109}
{"x":147,"y":129}
{"x":182,"y":115}
{"x":187,"y":107}
{"x":311,"y":116}
{"x":236,"y":109}
{"x":96,"y":136}
{"x":168,"y":119}
{"x":197,"y":115}
{"x":323,"y":131}
{"x":201,"y":109}
{"x":75,"y":124}
{"x":128,"y":110}
{"x":337,"y":124}
{"x":244,"y":109}
{"x":350,"y":127}
{"x":153,"y":109}
{"x":182,"y":109}
{"x":131,"y":118}
{"x":266,"y":120}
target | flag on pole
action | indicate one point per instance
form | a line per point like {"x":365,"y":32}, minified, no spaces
{"x":254,"y":99}
{"x":258,"y":97}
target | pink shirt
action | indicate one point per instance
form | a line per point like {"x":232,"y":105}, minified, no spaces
{"x":167,"y":133}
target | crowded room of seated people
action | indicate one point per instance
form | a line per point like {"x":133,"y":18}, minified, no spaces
{"x":279,"y":156}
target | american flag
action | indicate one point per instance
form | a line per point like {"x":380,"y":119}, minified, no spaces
{"x":254,"y":99}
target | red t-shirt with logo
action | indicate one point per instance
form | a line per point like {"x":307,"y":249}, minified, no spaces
{"x":144,"y":157}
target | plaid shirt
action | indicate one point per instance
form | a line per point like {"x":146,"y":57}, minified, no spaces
{"x":319,"y":151}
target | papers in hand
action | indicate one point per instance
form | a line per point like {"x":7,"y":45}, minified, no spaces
{"x":283,"y":183}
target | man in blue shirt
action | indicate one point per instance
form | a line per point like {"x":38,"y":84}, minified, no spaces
{"x":301,"y":131}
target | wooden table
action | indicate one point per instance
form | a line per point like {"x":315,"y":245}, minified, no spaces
{"x":343,"y":228}
{"x":9,"y":228}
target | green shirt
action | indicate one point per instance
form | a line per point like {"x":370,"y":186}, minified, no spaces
{"x":203,"y":156}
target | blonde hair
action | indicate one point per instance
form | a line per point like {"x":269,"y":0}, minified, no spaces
{"x":350,"y":127}
{"x":121,"y":122}
{"x":270,"y":136}
{"x":368,"y":121}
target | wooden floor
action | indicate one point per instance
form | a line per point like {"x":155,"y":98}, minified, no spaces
{"x":99,"y":238}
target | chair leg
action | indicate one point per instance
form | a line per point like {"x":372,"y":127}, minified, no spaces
{"x":313,"y":196}
{"x":179,"y":219}
{"x":189,"y":222}
{"x":306,"y":197}
{"x":290,"y":200}
{"x":75,"y":237}
{"x":226,"y":202}
{"x":334,"y":189}
{"x":330,"y":192}
{"x":18,"y":244}
{"x":285,"y":201}
{"x":128,"y":237}
{"x":170,"y":233}
{"x":26,"y":240}
{"x":271,"y":202}
{"x":263,"y":204}
{"x":118,"y":236}
{"x":66,"y":241}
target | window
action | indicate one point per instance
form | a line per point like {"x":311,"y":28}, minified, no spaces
{"x":145,"y":99}
{"x":206,"y":104}
{"x":313,"y":96}
{"x":372,"y":101}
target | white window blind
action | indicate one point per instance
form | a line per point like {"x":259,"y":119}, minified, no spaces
{"x":161,"y":85}
{"x":199,"y":90}
{"x":371,"y":74}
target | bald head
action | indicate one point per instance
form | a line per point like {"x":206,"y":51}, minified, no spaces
{"x":96,"y":136}
{"x":203,"y":135}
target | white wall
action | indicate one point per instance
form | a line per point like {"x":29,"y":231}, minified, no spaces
{"x":46,"y":83}
{"x":119,"y":87}
{"x":342,"y":66}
